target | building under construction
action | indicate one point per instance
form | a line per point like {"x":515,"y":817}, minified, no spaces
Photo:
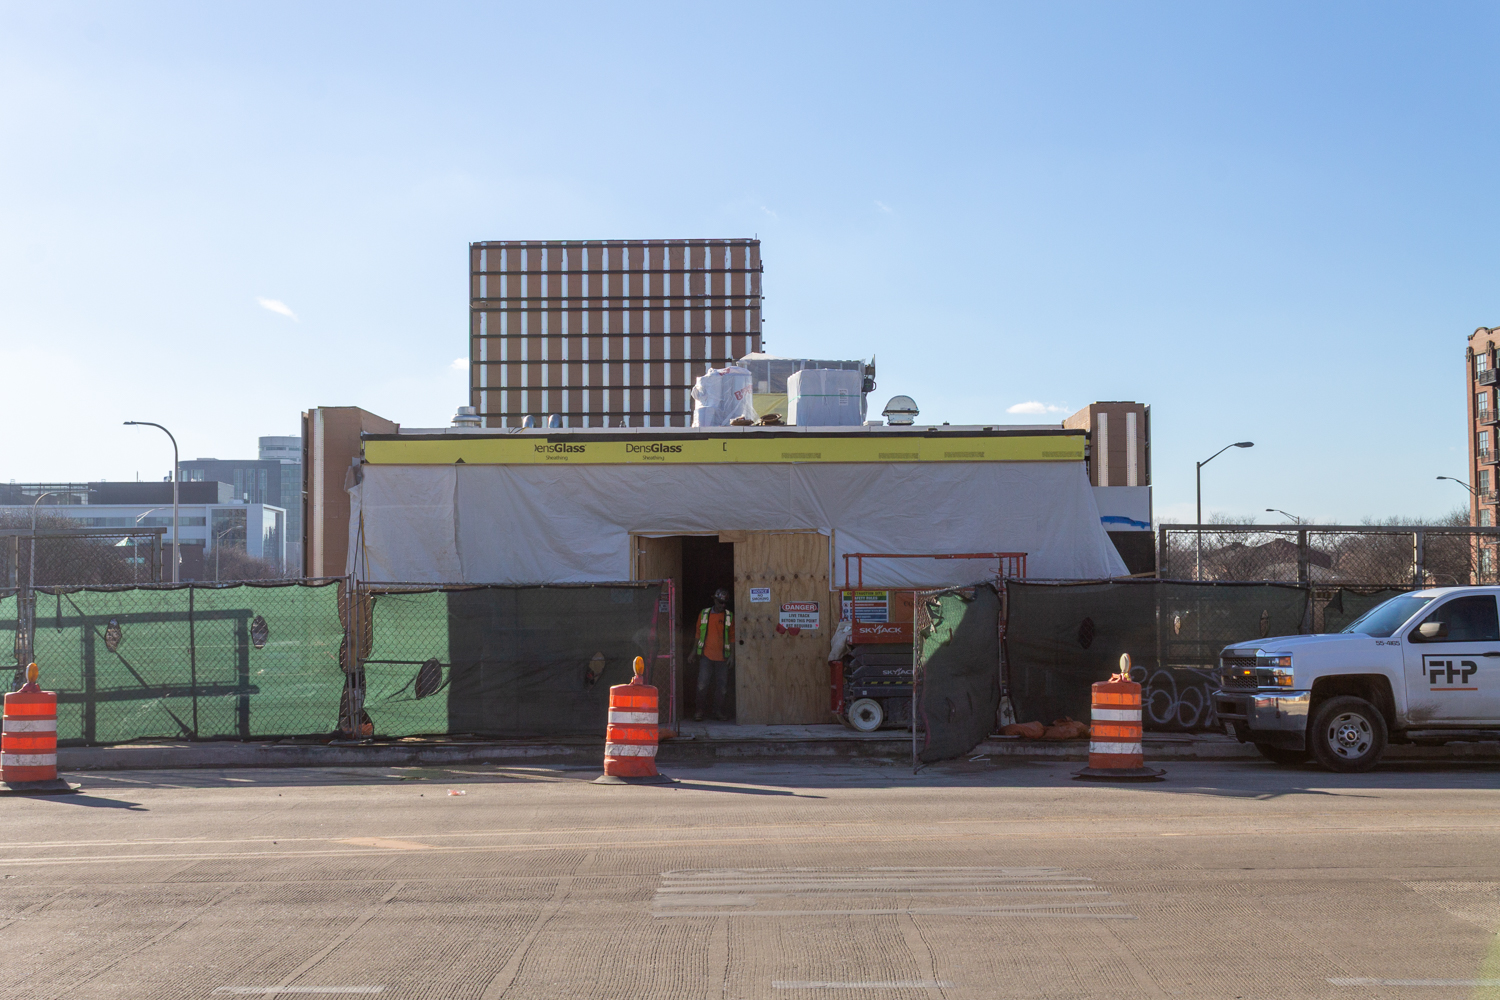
{"x":605,"y":333}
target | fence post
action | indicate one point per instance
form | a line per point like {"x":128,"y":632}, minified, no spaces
{"x":1302,"y":556}
{"x":1419,"y":557}
{"x":193,"y":656}
{"x":1161,"y":558}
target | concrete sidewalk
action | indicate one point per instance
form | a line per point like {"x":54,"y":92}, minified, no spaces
{"x":696,"y":743}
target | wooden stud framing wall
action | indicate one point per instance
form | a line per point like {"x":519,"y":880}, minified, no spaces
{"x":606,"y":333}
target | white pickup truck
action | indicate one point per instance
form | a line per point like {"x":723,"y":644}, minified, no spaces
{"x":1421,"y":667}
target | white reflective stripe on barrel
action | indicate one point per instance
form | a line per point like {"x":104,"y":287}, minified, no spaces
{"x":28,"y":760}
{"x":617,"y":716}
{"x":1117,"y":715}
{"x":1115,"y":748}
{"x":629,"y":750}
{"x":31,"y":725}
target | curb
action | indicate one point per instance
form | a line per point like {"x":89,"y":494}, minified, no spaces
{"x":138,"y":757}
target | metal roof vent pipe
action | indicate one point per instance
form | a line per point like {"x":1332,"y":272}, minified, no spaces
{"x":901,"y":411}
{"x":554,"y":420}
{"x":529,"y":421}
{"x":467,"y":416}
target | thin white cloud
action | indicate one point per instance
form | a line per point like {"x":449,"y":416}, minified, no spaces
{"x":459,"y":364}
{"x":769,"y":212}
{"x":277,"y":306}
{"x":888,"y":210}
{"x":1035,"y":407}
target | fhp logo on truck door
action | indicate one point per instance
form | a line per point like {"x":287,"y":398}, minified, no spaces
{"x":1445,"y":670}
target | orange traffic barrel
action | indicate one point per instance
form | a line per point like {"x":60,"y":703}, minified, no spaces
{"x":28,"y":742}
{"x":631,"y":739}
{"x":1115,"y":751}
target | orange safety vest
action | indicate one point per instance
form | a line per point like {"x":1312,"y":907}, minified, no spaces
{"x":728,"y":631}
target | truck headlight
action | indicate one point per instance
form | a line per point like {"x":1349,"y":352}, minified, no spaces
{"x":1282,"y":678}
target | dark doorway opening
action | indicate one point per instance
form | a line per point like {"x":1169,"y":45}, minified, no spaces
{"x":707,"y":565}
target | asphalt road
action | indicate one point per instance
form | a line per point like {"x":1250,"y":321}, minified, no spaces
{"x":790,"y":881}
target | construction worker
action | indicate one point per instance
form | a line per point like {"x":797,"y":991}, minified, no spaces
{"x":715,"y":648}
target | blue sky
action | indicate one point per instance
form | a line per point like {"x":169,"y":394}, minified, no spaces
{"x":1268,"y":221}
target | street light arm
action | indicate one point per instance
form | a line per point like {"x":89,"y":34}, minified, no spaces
{"x":1237,"y":444}
{"x":1460,"y":482}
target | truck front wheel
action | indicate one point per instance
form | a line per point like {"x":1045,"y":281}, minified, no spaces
{"x":1281,"y":755}
{"x":1347,"y":734}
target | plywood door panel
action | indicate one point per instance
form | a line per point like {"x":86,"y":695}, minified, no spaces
{"x":781,"y":679}
{"x":661,"y":559}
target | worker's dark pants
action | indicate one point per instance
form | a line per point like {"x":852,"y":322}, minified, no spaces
{"x":715,"y":674}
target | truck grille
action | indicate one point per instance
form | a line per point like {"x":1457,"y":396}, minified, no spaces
{"x":1238,"y":674}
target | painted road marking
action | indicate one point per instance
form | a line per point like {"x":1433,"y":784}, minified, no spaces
{"x":1030,"y":893}
{"x":1414,"y":982}
{"x":385,"y":844}
{"x":275,"y":990}
{"x":890,"y":984}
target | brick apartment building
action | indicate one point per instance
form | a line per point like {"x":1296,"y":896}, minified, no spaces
{"x":1484,"y":425}
{"x":606,"y":333}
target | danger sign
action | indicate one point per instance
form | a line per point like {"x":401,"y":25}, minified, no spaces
{"x":799,"y":615}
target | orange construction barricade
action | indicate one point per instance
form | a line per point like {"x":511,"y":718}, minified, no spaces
{"x":1115,"y":752}
{"x":630,"y":741}
{"x":28,"y":743}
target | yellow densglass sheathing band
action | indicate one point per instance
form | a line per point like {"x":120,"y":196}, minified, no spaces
{"x":537,"y":450}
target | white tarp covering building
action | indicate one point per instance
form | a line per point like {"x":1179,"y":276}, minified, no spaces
{"x":538,"y":507}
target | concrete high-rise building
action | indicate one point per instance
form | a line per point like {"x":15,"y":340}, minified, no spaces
{"x":606,"y":333}
{"x":1484,"y":425}
{"x":288,"y":451}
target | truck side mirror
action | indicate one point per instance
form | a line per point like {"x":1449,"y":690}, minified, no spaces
{"x":1433,"y":630}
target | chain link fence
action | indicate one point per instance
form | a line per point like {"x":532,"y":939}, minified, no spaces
{"x":186,"y":662}
{"x":1342,"y":555}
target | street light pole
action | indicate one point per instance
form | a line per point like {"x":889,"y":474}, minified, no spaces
{"x":1198,"y":560}
{"x":31,"y":583}
{"x":1278,"y":510}
{"x":176,"y":476}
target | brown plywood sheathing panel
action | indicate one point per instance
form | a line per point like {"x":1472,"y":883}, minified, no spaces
{"x":781,"y":679}
{"x":653,"y":314}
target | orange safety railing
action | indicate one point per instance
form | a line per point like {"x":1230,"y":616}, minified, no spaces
{"x":1011,"y":565}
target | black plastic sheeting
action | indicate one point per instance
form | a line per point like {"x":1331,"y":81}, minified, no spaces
{"x":957,"y":671}
{"x":1061,"y":638}
{"x":521,"y":657}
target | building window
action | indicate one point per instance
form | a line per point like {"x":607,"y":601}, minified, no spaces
{"x":1486,"y":564}
{"x":1481,"y":403}
{"x":1486,"y":520}
{"x":1484,"y":442}
{"x":1484,"y":480}
{"x":1481,"y":363}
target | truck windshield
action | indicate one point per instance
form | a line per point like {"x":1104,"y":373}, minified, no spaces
{"x":1383,"y":619}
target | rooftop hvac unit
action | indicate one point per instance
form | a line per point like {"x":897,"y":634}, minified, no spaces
{"x":825,"y":397}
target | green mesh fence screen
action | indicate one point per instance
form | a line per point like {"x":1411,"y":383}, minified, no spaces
{"x":1061,"y":638}
{"x":957,"y":670}
{"x":1345,"y":605}
{"x":250,"y":661}
{"x":511,"y":661}
{"x":190,"y":662}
